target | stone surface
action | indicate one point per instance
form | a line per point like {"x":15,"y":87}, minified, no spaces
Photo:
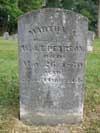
{"x":90,"y":38}
{"x":6,"y":35}
{"x":52,"y":49}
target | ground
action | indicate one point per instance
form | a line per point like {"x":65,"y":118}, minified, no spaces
{"x":9,"y":94}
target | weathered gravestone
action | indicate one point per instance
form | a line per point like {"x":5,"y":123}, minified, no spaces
{"x":6,"y":35}
{"x":90,"y":38}
{"x":52,"y":48}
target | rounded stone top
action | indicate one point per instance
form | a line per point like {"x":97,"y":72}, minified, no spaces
{"x":48,"y":10}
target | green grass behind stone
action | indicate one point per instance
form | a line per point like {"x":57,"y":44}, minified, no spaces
{"x":8,"y":72}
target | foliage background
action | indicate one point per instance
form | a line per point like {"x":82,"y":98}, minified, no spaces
{"x":11,"y":9}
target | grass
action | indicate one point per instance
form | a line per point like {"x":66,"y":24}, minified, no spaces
{"x":8,"y":72}
{"x":9,"y":94}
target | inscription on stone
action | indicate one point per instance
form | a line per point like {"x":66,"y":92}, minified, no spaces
{"x":52,"y":49}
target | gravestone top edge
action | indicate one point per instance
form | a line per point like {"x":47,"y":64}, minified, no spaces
{"x":90,"y":31}
{"x":52,"y":9}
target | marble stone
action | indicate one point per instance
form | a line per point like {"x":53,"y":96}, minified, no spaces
{"x":6,"y":35}
{"x":52,"y":50}
{"x":90,"y":38}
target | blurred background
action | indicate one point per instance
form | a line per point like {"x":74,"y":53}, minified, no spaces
{"x":11,"y":9}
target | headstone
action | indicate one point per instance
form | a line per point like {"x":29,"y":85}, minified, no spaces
{"x":14,"y":37}
{"x":94,"y":34}
{"x":52,"y":49}
{"x":90,"y":38}
{"x":6,"y":35}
